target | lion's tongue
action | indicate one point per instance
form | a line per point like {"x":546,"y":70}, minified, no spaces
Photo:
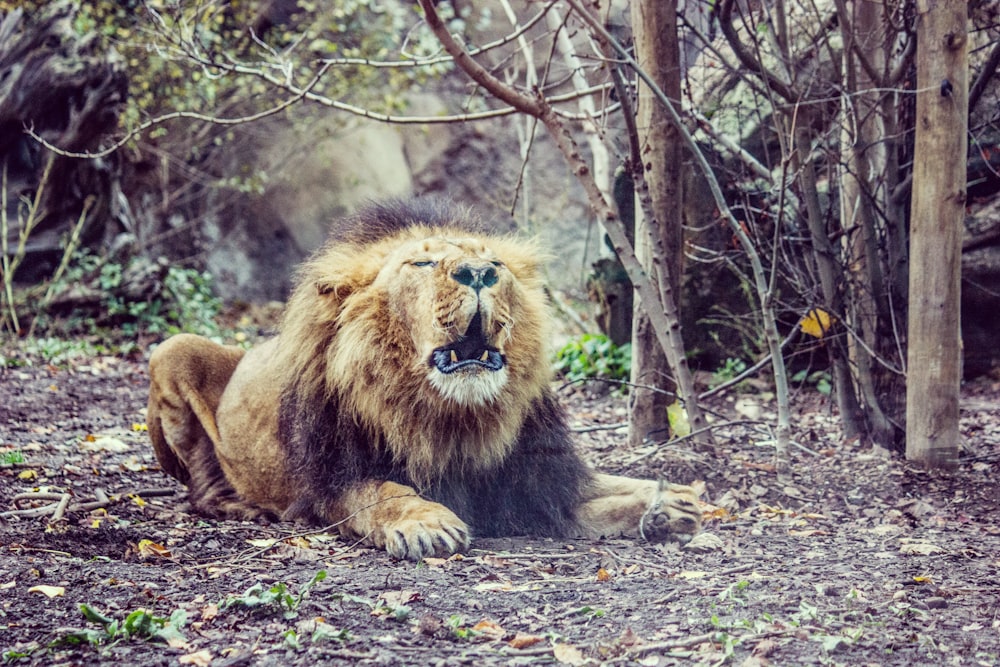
{"x":469,"y":350}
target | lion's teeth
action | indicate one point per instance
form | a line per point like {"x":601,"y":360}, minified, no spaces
{"x":454,"y":357}
{"x":485,"y":357}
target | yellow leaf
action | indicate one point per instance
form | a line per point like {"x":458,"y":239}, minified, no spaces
{"x":48,"y":591}
{"x":150,"y":549}
{"x":816,"y":323}
{"x":603,"y":575}
{"x":678,"y":419}
{"x":923,"y":580}
{"x":138,"y":500}
{"x":27,"y":475}
{"x":139,"y":427}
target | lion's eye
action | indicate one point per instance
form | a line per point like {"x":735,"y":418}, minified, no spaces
{"x":424,"y":262}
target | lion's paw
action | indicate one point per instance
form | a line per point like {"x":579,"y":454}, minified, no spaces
{"x":440,"y":533}
{"x":674,"y":515}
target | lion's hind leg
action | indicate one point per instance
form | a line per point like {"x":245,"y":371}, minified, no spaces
{"x":640,"y":508}
{"x":187,"y":375}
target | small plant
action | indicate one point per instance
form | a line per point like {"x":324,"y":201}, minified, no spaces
{"x":459,"y":629}
{"x":594,"y":356}
{"x":140,"y":624}
{"x":278,"y":596}
{"x":731,"y":368}
{"x":819,"y":379}
{"x":11,"y":458}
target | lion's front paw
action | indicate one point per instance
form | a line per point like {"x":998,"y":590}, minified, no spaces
{"x":431,"y":532}
{"x":674,"y":514}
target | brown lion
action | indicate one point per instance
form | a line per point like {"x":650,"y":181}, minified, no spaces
{"x":406,"y":400}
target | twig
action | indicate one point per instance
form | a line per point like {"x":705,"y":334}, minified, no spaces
{"x":62,"y":503}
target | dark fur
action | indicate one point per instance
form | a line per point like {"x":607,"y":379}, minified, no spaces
{"x":384,"y":218}
{"x":535,"y":491}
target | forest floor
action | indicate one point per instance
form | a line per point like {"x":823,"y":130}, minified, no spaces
{"x":857,"y":560}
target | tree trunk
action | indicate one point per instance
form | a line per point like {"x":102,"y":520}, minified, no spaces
{"x":934,"y":354}
{"x":654,"y":25}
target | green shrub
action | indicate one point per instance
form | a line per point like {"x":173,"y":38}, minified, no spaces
{"x":594,"y":356}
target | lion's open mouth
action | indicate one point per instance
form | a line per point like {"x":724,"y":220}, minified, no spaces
{"x":470,"y":351}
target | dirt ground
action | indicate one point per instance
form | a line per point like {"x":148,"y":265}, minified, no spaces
{"x":858,"y":560}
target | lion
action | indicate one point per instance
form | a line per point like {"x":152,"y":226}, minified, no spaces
{"x":406,"y":399}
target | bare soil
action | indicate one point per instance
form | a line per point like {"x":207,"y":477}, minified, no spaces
{"x":857,"y":560}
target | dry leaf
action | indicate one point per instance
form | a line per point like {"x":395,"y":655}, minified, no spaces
{"x":816,"y":323}
{"x":48,"y":591}
{"x":568,"y":654}
{"x":489,"y":629}
{"x":920,"y":549}
{"x":103,"y":444}
{"x":199,"y":658}
{"x":395,"y":599}
{"x":264,"y":543}
{"x":209,"y":611}
{"x":524,"y":641}
{"x":150,"y":549}
{"x":703,"y":542}
{"x":603,"y":575}
{"x":764,"y":648}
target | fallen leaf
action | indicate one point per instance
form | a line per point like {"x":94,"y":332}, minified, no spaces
{"x":692,"y":574}
{"x":264,"y":543}
{"x":703,"y":542}
{"x":209,"y":611}
{"x":524,"y":641}
{"x":150,"y":549}
{"x":764,"y":648}
{"x":393,"y":599}
{"x":27,"y":475}
{"x":568,"y":654}
{"x":603,"y":575}
{"x":920,"y":549}
{"x":48,"y":591}
{"x":199,"y":658}
{"x":489,"y":629}
{"x":103,"y":444}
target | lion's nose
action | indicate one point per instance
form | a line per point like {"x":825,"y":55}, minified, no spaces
{"x":476,"y":277}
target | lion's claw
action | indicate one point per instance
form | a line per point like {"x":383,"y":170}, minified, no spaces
{"x":413,"y":539}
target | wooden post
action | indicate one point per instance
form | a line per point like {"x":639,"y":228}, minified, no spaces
{"x":934,"y":355}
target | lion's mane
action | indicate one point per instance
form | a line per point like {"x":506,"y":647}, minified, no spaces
{"x":356,"y":402}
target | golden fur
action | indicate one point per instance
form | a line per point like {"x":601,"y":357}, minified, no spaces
{"x":405,"y":399}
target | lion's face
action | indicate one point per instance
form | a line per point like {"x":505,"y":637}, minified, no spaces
{"x":459,"y":303}
{"x":432,"y":338}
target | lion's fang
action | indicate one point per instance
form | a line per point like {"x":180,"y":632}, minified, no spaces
{"x":454,"y":357}
{"x":486,"y":356}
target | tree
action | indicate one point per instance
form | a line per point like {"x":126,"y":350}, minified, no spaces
{"x":934,"y":355}
{"x":657,"y":162}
